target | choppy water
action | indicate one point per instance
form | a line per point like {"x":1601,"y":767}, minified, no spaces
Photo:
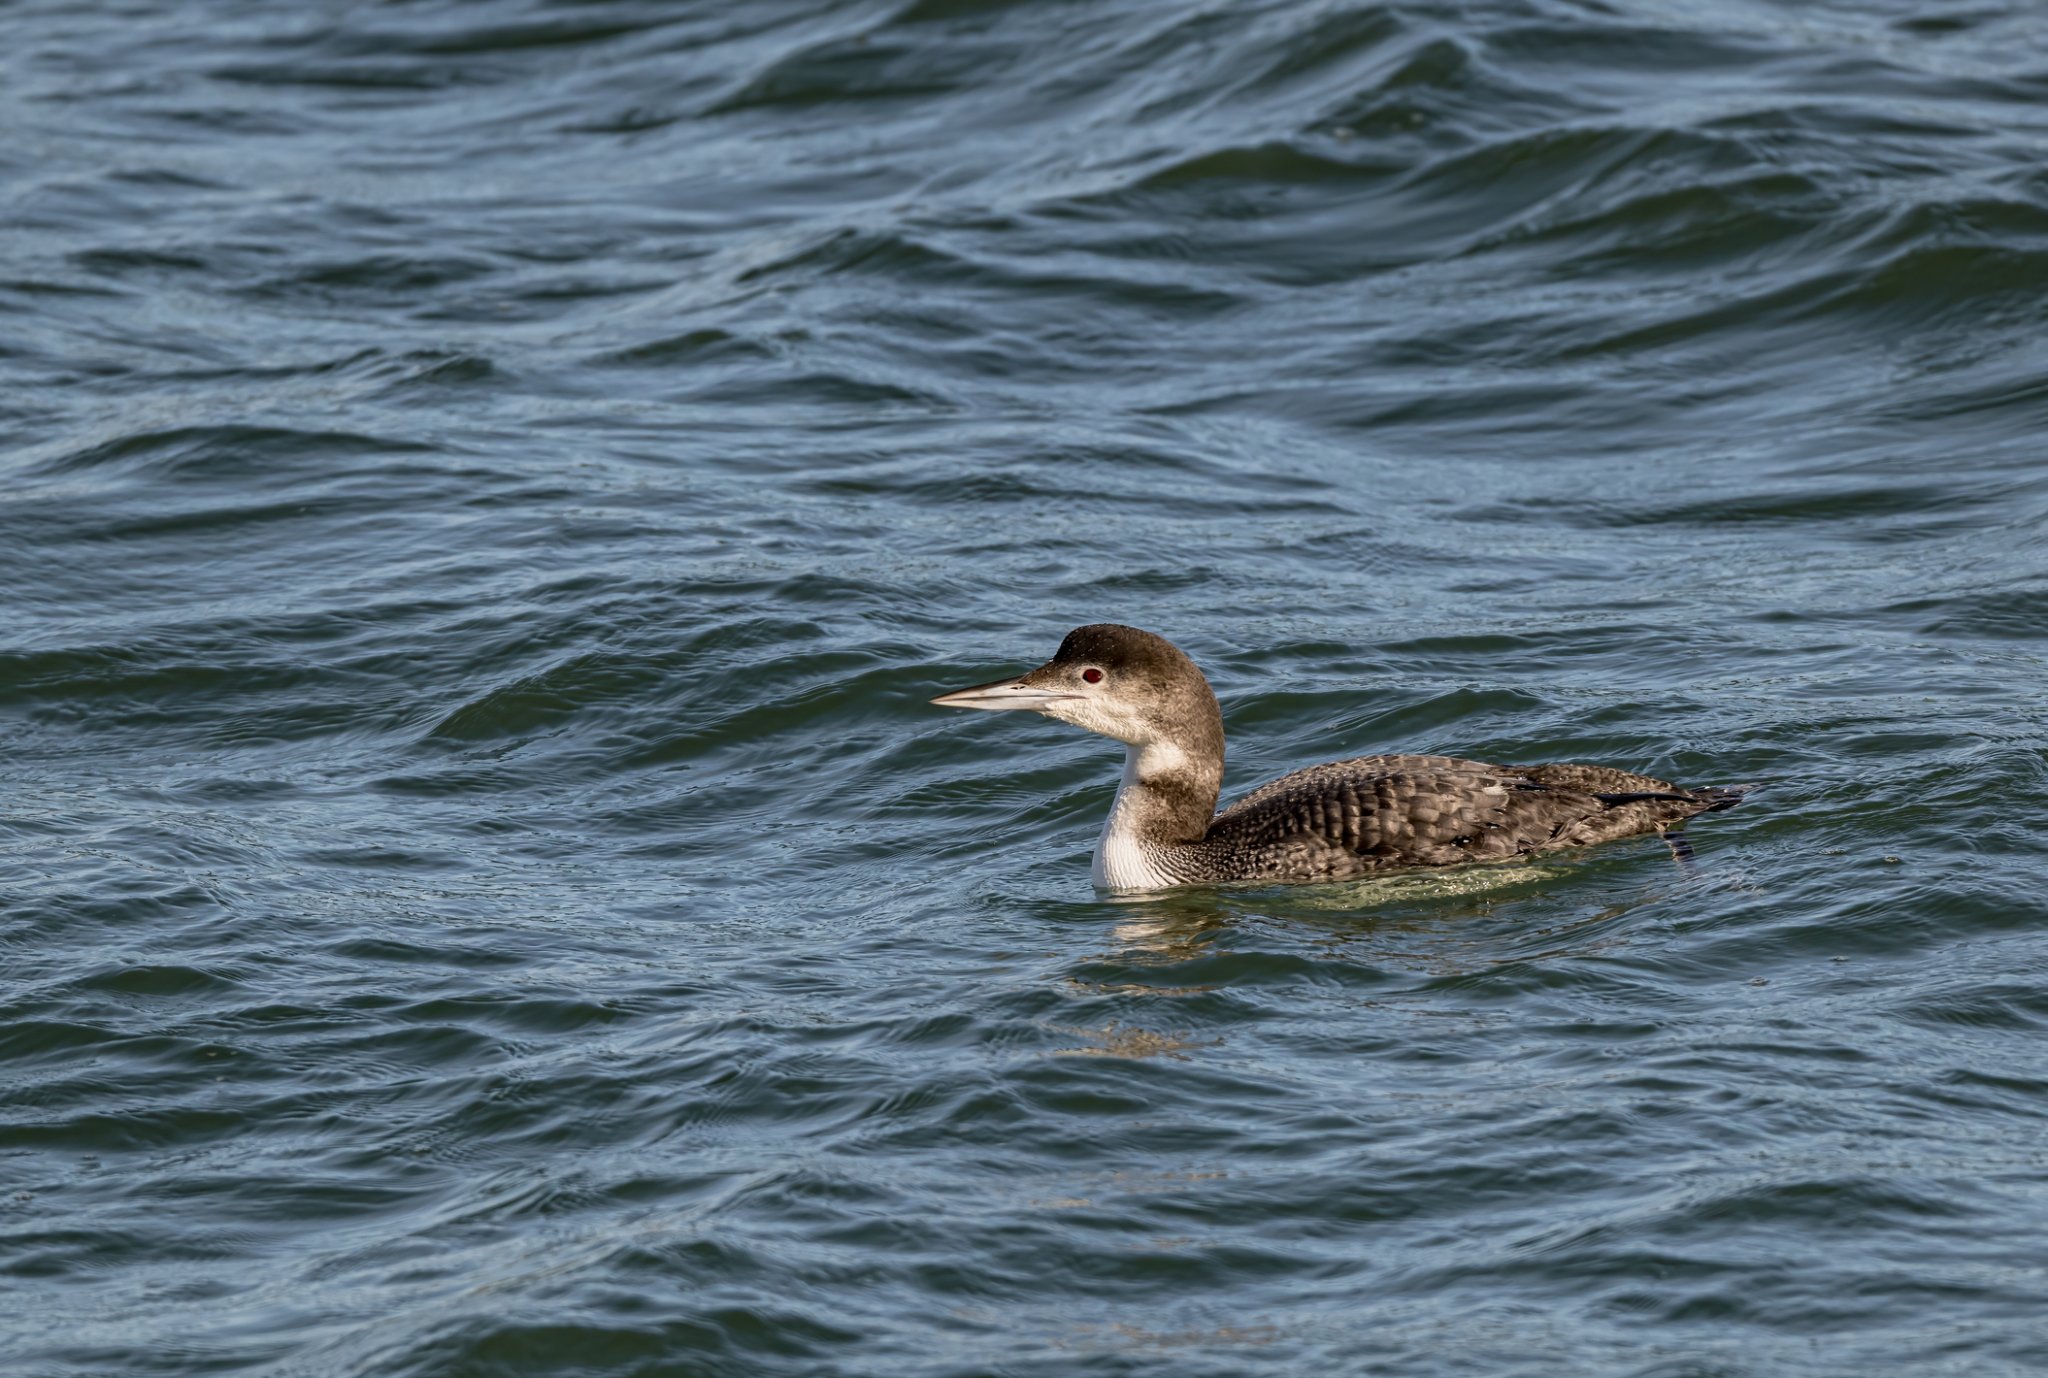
{"x":488,"y":489}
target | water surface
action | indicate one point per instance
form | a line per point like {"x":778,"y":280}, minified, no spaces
{"x":489,"y":488}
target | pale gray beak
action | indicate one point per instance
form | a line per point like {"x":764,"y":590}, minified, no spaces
{"x":1002,"y":694}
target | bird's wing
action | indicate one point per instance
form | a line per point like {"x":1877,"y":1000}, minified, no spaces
{"x":1382,"y":812}
{"x":1357,"y":767}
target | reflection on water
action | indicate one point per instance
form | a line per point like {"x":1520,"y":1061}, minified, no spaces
{"x":1120,"y":1040}
{"x":1407,"y":916}
{"x":1423,"y":889}
{"x":1176,"y":926}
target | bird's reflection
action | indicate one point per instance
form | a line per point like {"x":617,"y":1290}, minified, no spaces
{"x":1177,"y":925}
{"x":1434,"y":922}
{"x":1392,"y":940}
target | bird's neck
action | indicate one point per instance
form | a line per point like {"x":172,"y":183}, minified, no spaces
{"x":1168,"y":793}
{"x":1163,"y":806}
{"x":1167,"y":798}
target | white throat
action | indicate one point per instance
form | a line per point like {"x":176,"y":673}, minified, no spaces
{"x":1123,"y":861}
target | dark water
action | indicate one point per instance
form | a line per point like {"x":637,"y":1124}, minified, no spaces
{"x":488,"y":489}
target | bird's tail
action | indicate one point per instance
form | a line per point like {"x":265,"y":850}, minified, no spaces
{"x":1715,"y":797}
{"x":1718,"y":797}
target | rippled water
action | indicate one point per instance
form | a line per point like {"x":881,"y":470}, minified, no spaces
{"x":489,"y":488}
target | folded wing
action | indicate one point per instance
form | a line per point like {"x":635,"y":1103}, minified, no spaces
{"x":1375,"y":813}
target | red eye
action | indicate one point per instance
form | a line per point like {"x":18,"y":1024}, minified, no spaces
{"x":1092,"y":675}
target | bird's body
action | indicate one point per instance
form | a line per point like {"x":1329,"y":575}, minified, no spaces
{"x":1346,"y":819}
{"x":1335,"y":821}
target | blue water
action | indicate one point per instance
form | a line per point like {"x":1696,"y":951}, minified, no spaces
{"x":489,"y":488}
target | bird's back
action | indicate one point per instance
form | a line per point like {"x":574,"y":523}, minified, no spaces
{"x":1378,"y":813}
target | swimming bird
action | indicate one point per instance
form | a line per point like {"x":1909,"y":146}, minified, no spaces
{"x":1336,"y":821}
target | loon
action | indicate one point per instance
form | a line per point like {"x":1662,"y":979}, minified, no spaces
{"x":1336,"y":821}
